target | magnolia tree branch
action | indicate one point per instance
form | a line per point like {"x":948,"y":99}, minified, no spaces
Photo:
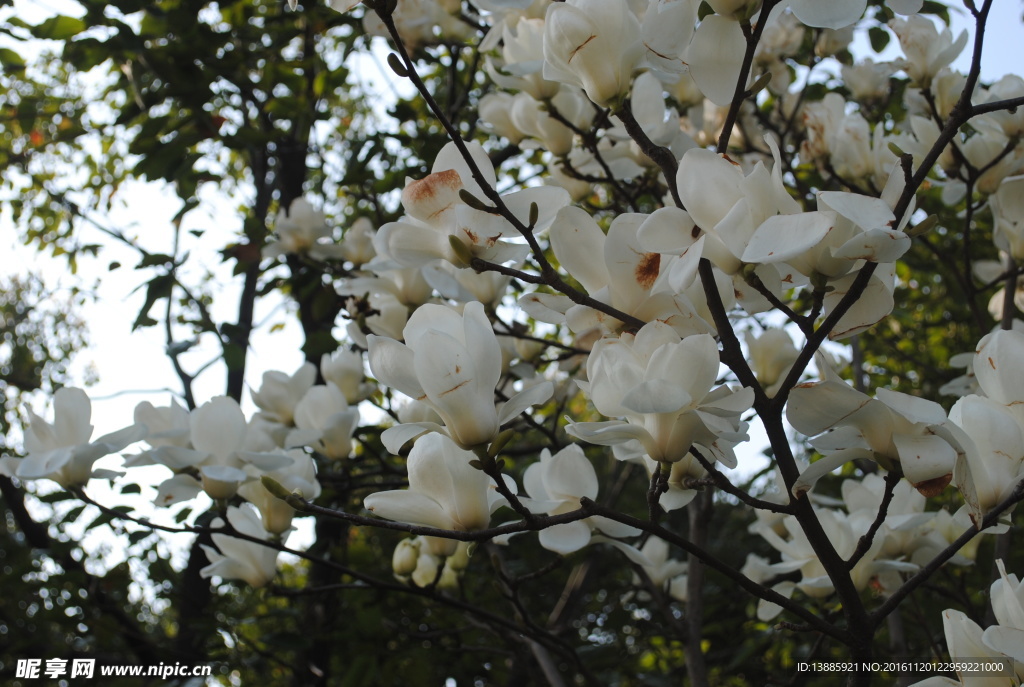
{"x":740,"y":93}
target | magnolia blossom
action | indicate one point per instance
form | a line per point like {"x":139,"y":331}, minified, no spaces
{"x":666,"y":573}
{"x":453,"y":363}
{"x":437,"y":215}
{"x":891,"y":428}
{"x":219,"y":450}
{"x":993,"y":441}
{"x":868,"y":80}
{"x":240,"y":559}
{"x":324,"y":421}
{"x":927,"y":51}
{"x":556,"y":484}
{"x":771,"y":355}
{"x":357,"y":242}
{"x":299,"y":476}
{"x":662,"y":386}
{"x":445,"y":491}
{"x":413,"y":562}
{"x":62,"y":450}
{"x":616,"y":269}
{"x":1007,"y":205}
{"x":593,"y":44}
{"x":522,"y":59}
{"x":344,"y":369}
{"x":1002,"y":642}
{"x":302,"y":230}
{"x":280,"y":393}
{"x":789,"y":539}
{"x":993,"y":427}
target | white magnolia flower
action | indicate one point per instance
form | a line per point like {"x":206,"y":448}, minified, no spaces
{"x":166,"y":426}
{"x":615,"y":269}
{"x":994,"y":452}
{"x":63,"y":450}
{"x":1007,"y":205}
{"x":927,"y":51}
{"x":788,"y":538}
{"x":279,"y":393}
{"x":299,"y":476}
{"x":664,"y":572}
{"x":1002,"y":642}
{"x":303,"y":231}
{"x":522,"y":59}
{"x":413,"y":561}
{"x":344,"y":369}
{"x":240,"y":559}
{"x":218,"y":452}
{"x":593,"y":44}
{"x":556,"y":483}
{"x":325,"y":422}
{"x":715,"y":57}
{"x":357,"y":242}
{"x":772,"y":354}
{"x":452,"y":362}
{"x":667,"y":28}
{"x":829,"y":14}
{"x":890,"y":428}
{"x":662,"y":386}
{"x":496,"y":114}
{"x":445,"y":491}
{"x":868,"y":80}
{"x":436,"y":214}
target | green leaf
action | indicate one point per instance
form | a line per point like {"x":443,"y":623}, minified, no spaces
{"x":159,"y":287}
{"x":153,"y":260}
{"x":879,"y":38}
{"x":59,"y":28}
{"x":11,"y":61}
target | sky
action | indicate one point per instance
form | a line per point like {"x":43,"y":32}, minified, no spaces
{"x":132,"y":366}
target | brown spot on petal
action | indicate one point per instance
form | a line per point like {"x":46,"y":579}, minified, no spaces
{"x":581,"y":46}
{"x":992,"y":363}
{"x":457,"y":386}
{"x":935,"y":486}
{"x":647,"y":269}
{"x":432,"y":189}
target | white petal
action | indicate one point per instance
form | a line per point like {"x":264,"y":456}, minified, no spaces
{"x":783,"y":237}
{"x":392,"y":364}
{"x":218,"y":426}
{"x":565,"y":538}
{"x":408,"y":506}
{"x":715,"y":57}
{"x":531,"y":396}
{"x":828,"y":14}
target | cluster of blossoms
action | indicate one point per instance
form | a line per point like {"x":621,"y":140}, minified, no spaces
{"x":429,"y":312}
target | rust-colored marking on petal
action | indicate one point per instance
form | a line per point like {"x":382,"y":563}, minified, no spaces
{"x":430,"y":187}
{"x":935,"y":486}
{"x":457,"y":386}
{"x":581,"y":46}
{"x":992,"y":363}
{"x":647,"y":269}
